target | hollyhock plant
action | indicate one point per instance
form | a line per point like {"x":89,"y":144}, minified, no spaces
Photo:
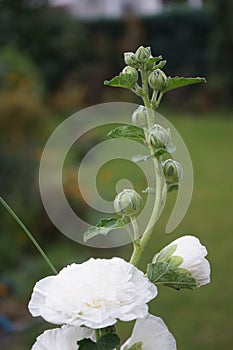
{"x":93,"y":294}
{"x":88,"y":299}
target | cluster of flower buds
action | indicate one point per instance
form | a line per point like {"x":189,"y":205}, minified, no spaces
{"x":128,"y":203}
{"x":139,"y":57}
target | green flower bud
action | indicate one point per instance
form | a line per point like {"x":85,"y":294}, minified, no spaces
{"x":130,"y":59}
{"x":158,"y":137}
{"x":172,"y":171}
{"x":139,"y":117}
{"x":131,"y":71}
{"x":128,"y":202}
{"x":157,"y":79}
{"x":143,"y":54}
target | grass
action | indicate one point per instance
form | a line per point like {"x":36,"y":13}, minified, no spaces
{"x":201,"y":319}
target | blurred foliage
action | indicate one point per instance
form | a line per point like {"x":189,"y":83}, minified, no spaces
{"x":19,"y":73}
{"x":52,"y":39}
{"x":72,"y":55}
{"x":221,"y":51}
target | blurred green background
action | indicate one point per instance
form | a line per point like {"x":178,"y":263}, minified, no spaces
{"x":53,"y":64}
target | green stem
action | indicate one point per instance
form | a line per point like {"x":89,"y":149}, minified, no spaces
{"x":135,"y":228}
{"x":140,"y":245}
{"x":97,"y":334}
{"x":28,"y":233}
{"x":146,"y":100}
{"x":159,"y":203}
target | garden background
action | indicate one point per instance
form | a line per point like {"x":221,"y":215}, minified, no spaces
{"x":51,"y":65}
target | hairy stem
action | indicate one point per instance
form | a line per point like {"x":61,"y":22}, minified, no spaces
{"x":158,"y":206}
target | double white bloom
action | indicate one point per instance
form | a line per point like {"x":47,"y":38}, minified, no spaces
{"x":151,"y":332}
{"x":93,"y":294}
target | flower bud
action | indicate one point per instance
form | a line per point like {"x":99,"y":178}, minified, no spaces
{"x":157,"y":79}
{"x":142,"y":54}
{"x":172,"y":171}
{"x":189,"y":254}
{"x":158,"y":137}
{"x":139,"y":117}
{"x":130,"y":59}
{"x":128,"y":202}
{"x":132,"y":72}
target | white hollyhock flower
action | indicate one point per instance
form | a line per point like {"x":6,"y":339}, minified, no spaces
{"x":94,"y":294}
{"x":187,"y":252}
{"x":152,"y":333}
{"x":64,"y":338}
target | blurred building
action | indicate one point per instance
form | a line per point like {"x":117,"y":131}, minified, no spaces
{"x":90,"y":9}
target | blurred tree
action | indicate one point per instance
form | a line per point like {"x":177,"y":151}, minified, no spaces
{"x":222,"y":49}
{"x":52,"y":38}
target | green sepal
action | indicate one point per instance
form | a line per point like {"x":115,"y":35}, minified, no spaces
{"x":161,"y":64}
{"x":128,"y":132}
{"x":165,"y":254}
{"x":164,"y":273}
{"x":172,"y":188}
{"x":86,"y":344}
{"x":107,"y":342}
{"x":177,"y":82}
{"x":103,"y":227}
{"x":150,"y":63}
{"x":123,"y":80}
{"x":169,"y":148}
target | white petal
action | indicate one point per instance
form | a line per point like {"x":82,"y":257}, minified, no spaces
{"x":39,"y":295}
{"x":153,"y":333}
{"x":64,"y":338}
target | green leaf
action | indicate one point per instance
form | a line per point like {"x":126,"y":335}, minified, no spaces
{"x":123,"y":80}
{"x":170,"y":148}
{"x":177,"y":82}
{"x":128,"y":132}
{"x":149,"y":190}
{"x":108,"y":342}
{"x":164,"y":273}
{"x":103,"y":227}
{"x":140,"y":158}
{"x":87,"y":344}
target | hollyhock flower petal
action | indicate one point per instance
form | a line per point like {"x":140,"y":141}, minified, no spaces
{"x":64,"y":338}
{"x":153,"y":333}
{"x":94,"y":294}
